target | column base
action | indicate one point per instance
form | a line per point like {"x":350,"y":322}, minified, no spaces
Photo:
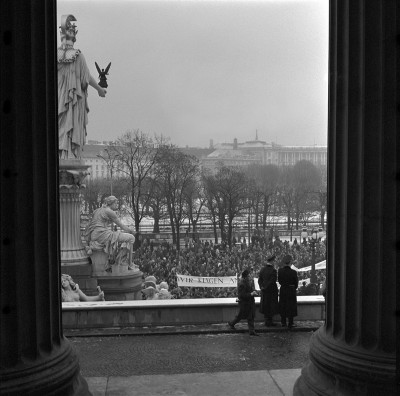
{"x":74,"y":257}
{"x":57,"y":374}
{"x":338,"y":369}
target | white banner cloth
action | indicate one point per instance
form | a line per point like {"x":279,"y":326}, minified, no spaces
{"x":318,"y":266}
{"x":205,"y":281}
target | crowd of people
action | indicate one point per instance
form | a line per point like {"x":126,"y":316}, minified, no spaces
{"x":161,"y":263}
{"x":198,"y":257}
{"x":205,"y":258}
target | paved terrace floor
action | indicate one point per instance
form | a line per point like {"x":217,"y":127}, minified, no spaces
{"x":193,"y":360}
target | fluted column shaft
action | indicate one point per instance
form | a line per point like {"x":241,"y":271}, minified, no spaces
{"x":354,"y":353}
{"x":35,"y":358}
{"x":69,"y":222}
{"x":72,"y":249}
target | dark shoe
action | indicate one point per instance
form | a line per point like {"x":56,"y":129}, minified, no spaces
{"x":253,"y":333}
{"x":292,"y":325}
{"x":283,"y":324}
{"x":231,"y":326}
{"x":270,"y":324}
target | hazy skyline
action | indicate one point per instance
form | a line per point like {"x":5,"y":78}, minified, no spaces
{"x":200,"y":70}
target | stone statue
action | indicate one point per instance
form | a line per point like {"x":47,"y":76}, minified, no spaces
{"x":73,"y":81}
{"x":102,"y":75}
{"x":70,"y":291}
{"x":100,"y":236}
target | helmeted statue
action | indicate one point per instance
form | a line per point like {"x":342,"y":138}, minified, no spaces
{"x":73,"y":81}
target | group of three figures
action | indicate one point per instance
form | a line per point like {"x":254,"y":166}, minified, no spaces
{"x":269,"y":304}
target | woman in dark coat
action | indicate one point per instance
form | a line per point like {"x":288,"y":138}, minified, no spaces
{"x":247,"y":305}
{"x":269,"y":291}
{"x":288,"y":280}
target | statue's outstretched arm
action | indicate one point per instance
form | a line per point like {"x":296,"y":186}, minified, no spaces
{"x":123,"y":227}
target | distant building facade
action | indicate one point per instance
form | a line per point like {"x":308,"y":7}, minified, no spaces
{"x":263,"y":153}
{"x":229,"y":154}
{"x":94,"y":153}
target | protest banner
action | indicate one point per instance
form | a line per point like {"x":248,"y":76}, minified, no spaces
{"x":206,"y":281}
{"x":318,"y":266}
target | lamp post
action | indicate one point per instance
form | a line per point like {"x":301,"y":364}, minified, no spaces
{"x":323,"y":216}
{"x":291,"y":229}
{"x":313,"y":241}
{"x":249,"y":224}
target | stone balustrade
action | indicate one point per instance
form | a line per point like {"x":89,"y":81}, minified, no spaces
{"x":141,"y":313}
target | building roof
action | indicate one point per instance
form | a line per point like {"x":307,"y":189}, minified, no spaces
{"x":91,"y":151}
{"x":226,"y":153}
{"x":302,"y":148}
{"x":196,"y":151}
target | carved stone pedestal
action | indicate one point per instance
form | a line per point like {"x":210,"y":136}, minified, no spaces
{"x":99,"y":263}
{"x":121,"y":287}
{"x":121,"y":284}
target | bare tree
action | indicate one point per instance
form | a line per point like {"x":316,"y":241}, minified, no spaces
{"x":134,"y":155}
{"x":213,"y":203}
{"x":194,"y":202}
{"x":177,"y":172}
{"x":109,"y":156}
{"x":263,"y":185}
{"x":93,"y":195}
{"x":154,"y":201}
{"x":296,"y":184}
{"x":232,"y":191}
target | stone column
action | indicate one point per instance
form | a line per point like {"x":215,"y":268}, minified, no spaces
{"x":35,"y":358}
{"x":74,"y":259}
{"x":354,"y":353}
{"x":71,"y":176}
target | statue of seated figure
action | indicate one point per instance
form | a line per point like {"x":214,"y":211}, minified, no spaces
{"x":101,"y":236}
{"x":70,"y":291}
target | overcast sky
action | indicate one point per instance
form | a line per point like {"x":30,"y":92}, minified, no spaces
{"x":200,"y":70}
